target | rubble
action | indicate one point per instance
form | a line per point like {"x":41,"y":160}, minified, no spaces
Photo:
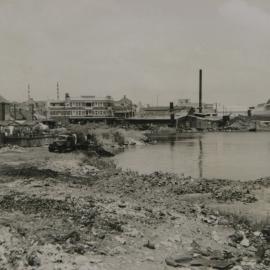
{"x":62,"y":208}
{"x":11,"y":148}
{"x":33,"y":259}
{"x":201,"y":260}
{"x":234,"y":193}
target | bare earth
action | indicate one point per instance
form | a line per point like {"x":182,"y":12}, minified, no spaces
{"x":68,"y":211}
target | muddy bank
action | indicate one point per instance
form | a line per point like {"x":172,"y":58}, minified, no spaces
{"x":69,"y":211}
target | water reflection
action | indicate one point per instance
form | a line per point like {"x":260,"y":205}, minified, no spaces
{"x":200,"y":158}
{"x":213,"y":155}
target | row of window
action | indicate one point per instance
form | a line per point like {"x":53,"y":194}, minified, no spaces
{"x":88,"y":104}
{"x":80,"y":113}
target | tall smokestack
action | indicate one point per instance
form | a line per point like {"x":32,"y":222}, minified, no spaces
{"x":200,"y":92}
{"x":172,"y":111}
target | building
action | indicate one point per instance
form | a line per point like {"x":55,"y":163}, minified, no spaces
{"x":182,"y":105}
{"x":231,"y":110}
{"x":4,"y":109}
{"x":157,"y":111}
{"x":89,"y":107}
{"x":261,"y":111}
{"x":199,"y":123}
{"x":124,"y":108}
{"x":209,"y":109}
{"x":28,"y":110}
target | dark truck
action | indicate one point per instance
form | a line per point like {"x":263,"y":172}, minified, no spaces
{"x":64,"y":143}
{"x":70,"y":142}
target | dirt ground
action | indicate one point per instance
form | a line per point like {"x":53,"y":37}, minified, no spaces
{"x":69,"y":211}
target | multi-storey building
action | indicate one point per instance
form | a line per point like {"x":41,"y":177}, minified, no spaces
{"x":89,"y":107}
{"x":124,"y":108}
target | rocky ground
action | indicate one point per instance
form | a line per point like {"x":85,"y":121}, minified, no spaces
{"x":69,"y":211}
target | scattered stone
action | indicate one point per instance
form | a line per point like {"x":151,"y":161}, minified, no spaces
{"x":177,"y":261}
{"x":122,"y":205}
{"x":245,"y":242}
{"x":237,"y":267}
{"x":266,"y":233}
{"x":149,"y":245}
{"x":260,"y":253}
{"x":120,"y":240}
{"x":33,"y":259}
{"x":73,"y":237}
{"x":215,"y":236}
{"x":222,"y":264}
{"x":237,"y":237}
{"x":79,"y":249}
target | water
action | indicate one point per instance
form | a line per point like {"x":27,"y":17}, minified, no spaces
{"x":213,"y":155}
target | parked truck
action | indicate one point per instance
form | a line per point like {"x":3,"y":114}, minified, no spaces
{"x":65,"y":143}
{"x":68,"y":142}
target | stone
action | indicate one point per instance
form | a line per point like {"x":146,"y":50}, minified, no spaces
{"x":120,"y":240}
{"x":215,"y":236}
{"x":237,"y":267}
{"x":257,"y":233}
{"x":180,"y":260}
{"x":33,"y":259}
{"x":237,"y":237}
{"x":149,"y":245}
{"x":245,"y":242}
{"x":222,"y":264}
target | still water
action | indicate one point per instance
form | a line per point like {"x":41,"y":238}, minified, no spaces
{"x":212,"y":155}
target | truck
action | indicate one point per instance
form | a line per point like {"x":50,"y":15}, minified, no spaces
{"x":69,"y":142}
{"x":64,"y":143}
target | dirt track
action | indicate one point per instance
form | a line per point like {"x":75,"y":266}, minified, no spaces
{"x":65,"y":211}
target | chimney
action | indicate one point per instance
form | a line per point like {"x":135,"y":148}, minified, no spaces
{"x":172,"y":111}
{"x":200,"y":91}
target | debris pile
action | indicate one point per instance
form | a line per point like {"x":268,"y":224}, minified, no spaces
{"x":203,"y":258}
{"x":26,"y":171}
{"x":11,"y":148}
{"x":78,"y":208}
{"x":241,"y":123}
{"x":234,"y":193}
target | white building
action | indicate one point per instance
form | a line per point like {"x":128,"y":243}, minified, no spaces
{"x":80,"y":107}
{"x":87,"y":107}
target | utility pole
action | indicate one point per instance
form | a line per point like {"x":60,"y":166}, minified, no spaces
{"x":28,"y":92}
{"x":57,"y":89}
{"x":200,"y":91}
{"x":32,"y":111}
{"x":15,"y":113}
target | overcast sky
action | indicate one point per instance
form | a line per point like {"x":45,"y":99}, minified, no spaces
{"x":142,"y":48}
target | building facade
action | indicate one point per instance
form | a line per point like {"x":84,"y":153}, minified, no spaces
{"x":183,"y":105}
{"x":89,"y":107}
{"x":4,"y":109}
{"x":124,"y":108}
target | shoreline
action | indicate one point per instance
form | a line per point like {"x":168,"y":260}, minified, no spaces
{"x":90,"y":213}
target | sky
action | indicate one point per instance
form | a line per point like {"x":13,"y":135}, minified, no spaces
{"x":149,"y":50}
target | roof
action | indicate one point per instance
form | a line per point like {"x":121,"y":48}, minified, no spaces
{"x":29,"y":123}
{"x":160,"y":108}
{"x":86,"y":98}
{"x":3,"y":100}
{"x":123,"y":100}
{"x":9,"y":123}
